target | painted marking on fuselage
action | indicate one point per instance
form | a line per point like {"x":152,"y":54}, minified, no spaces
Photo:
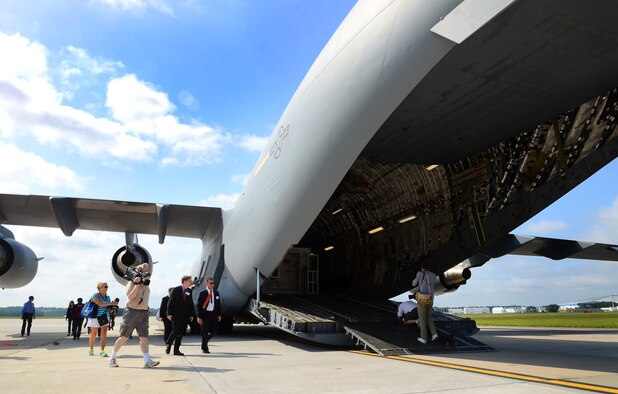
{"x":275,"y":149}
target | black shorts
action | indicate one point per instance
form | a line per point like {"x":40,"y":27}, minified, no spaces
{"x":412,"y":315}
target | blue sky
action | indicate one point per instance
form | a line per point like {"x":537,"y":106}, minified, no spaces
{"x":172,"y":102}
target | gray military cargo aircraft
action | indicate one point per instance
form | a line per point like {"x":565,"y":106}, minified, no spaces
{"x":425,"y":131}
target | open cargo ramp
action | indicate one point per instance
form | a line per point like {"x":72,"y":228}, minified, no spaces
{"x":348,"y":321}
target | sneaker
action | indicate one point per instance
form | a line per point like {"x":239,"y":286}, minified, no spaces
{"x":91,"y":352}
{"x":434,"y":337}
{"x":150,"y":364}
{"x":421,"y":340}
{"x":103,"y":354}
{"x":112,"y":362}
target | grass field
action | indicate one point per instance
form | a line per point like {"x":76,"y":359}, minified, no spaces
{"x":575,"y":320}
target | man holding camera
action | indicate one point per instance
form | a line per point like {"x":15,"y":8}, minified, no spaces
{"x":135,"y":314}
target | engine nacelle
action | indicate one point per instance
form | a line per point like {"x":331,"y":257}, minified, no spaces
{"x":124,"y":258}
{"x":451,"y":280}
{"x":18,"y":264}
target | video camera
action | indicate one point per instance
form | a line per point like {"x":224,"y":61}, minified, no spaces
{"x":132,"y":273}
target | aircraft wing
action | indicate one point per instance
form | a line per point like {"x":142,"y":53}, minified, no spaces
{"x":553,"y":248}
{"x":70,"y":214}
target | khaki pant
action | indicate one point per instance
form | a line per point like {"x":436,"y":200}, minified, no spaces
{"x":424,"y":320}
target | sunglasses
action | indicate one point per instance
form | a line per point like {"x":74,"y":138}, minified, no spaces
{"x":104,"y":286}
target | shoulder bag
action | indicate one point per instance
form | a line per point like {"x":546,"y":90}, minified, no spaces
{"x":423,"y":299}
{"x":102,"y":320}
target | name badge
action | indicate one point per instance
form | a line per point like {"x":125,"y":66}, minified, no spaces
{"x":187,"y":293}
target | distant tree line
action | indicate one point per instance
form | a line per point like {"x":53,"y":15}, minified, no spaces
{"x":552,"y":308}
{"x":44,"y":311}
{"x":596,"y":305}
{"x":40,"y":311}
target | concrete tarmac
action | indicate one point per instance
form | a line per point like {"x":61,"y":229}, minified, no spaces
{"x":260,"y":359}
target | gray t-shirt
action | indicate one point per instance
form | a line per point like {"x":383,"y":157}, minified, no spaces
{"x":427,"y":281}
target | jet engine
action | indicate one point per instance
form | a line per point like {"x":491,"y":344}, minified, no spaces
{"x":130,"y":256}
{"x":451,"y":280}
{"x":18,"y":264}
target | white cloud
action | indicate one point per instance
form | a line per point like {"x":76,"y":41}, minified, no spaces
{"x":147,"y":112}
{"x":142,"y":126}
{"x":30,"y":104}
{"x":72,"y":265}
{"x":77,"y":70}
{"x":22,"y":58}
{"x":220,"y":200}
{"x":29,"y":171}
{"x":253,"y":143}
{"x":241,"y":179}
{"x":132,"y":102}
{"x":546,"y":227}
{"x":605,"y":227}
{"x":140,"y":5}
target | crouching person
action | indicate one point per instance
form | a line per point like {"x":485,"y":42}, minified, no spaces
{"x":135,"y":316}
{"x":407,"y":312}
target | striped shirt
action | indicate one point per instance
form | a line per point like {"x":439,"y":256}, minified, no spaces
{"x":101,"y":309}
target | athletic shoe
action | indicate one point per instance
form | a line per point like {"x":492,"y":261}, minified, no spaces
{"x":91,"y":352}
{"x":103,"y":354}
{"x":421,"y":340}
{"x":434,"y":337}
{"x":151,"y":364}
{"x":112,"y":362}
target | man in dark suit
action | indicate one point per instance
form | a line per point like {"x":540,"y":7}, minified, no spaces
{"x":180,"y":310}
{"x":209,"y":312}
{"x":167,"y":325}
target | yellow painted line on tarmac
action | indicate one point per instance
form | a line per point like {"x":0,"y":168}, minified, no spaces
{"x":536,"y":379}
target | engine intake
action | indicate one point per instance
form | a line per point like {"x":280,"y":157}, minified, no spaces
{"x":18,"y":264}
{"x":132,"y":257}
{"x":451,"y":280}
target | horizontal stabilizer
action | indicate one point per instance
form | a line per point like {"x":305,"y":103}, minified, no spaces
{"x":468,"y":17}
{"x":69,"y":214}
{"x":552,"y":248}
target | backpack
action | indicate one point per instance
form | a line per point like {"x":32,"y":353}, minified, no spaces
{"x":90,"y":310}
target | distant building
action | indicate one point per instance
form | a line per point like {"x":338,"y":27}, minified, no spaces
{"x":456,"y":311}
{"x":476,"y":310}
{"x":507,"y":309}
{"x":568,"y":307}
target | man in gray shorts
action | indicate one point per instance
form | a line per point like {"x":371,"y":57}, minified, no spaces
{"x":135,"y":316}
